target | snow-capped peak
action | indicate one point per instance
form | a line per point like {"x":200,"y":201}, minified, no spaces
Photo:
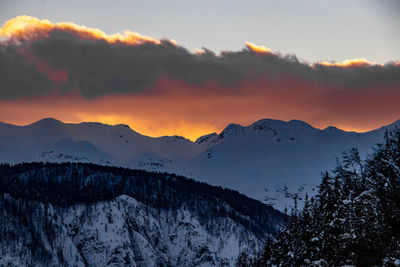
{"x":207,"y":139}
{"x":299,"y":123}
{"x":47,"y":121}
{"x":231,"y":129}
{"x":333,"y":129}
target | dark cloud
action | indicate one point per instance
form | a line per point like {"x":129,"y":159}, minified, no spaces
{"x":97,"y":67}
{"x":18,"y":77}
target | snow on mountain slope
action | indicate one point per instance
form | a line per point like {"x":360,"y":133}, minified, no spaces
{"x":266,"y":154}
{"x":123,"y":232}
{"x":273,"y":154}
{"x":90,"y":215}
{"x":118,"y":145}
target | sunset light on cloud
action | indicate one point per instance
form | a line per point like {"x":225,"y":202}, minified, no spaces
{"x":160,"y":88}
{"x":26,"y":28}
{"x":258,"y":48}
{"x":357,"y":62}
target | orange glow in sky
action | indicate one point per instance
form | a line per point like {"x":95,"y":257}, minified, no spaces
{"x":200,"y":112}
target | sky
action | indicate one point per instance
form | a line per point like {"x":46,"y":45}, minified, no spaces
{"x":191,"y":67}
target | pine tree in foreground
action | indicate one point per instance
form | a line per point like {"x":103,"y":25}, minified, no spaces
{"x":354,"y":220}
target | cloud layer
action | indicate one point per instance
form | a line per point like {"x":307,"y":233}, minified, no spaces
{"x":39,"y":58}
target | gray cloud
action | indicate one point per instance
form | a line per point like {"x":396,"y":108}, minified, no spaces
{"x":96,"y":67}
{"x":19,"y":78}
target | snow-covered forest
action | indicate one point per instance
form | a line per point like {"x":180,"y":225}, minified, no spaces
{"x":354,"y":220}
{"x":75,"y":214}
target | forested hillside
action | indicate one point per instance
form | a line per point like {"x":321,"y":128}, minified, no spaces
{"x":74,"y":214}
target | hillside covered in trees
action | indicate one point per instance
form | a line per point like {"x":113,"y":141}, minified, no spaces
{"x":75,"y":214}
{"x":354,"y":220}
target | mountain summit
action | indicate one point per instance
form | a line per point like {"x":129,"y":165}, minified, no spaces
{"x":283,"y":157}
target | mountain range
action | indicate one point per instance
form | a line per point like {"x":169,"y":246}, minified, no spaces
{"x":282,"y":157}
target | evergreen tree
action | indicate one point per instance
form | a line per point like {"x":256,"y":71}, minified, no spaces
{"x":354,"y":218}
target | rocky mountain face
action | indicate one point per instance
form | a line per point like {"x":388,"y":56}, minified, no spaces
{"x":284,"y":157}
{"x":89,"y":215}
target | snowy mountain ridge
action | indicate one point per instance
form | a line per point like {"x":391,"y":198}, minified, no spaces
{"x":268,"y":154}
